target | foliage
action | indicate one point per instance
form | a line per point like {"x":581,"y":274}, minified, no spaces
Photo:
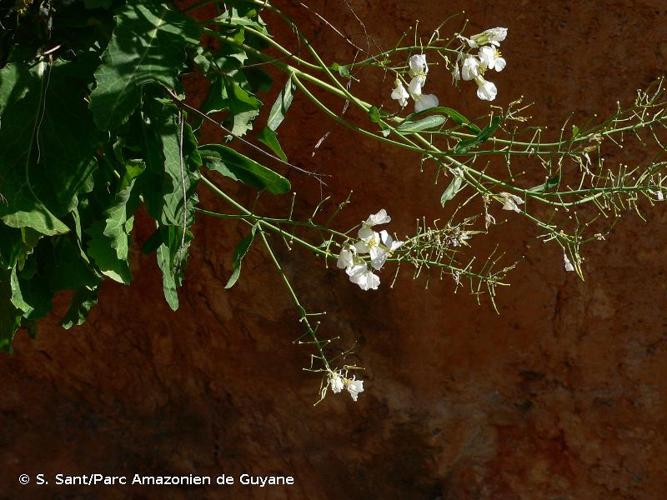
{"x":96,"y":130}
{"x":92,"y":130}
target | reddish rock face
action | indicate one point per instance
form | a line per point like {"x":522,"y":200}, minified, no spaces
{"x":561,"y":395}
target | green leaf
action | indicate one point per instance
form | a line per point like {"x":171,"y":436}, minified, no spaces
{"x":169,"y":189}
{"x":82,"y":303}
{"x":551,"y":183}
{"x":244,"y":107}
{"x":239,"y":254}
{"x":109,"y":238}
{"x":217,"y":99}
{"x":148,"y":46}
{"x":374,"y":114}
{"x":10,"y":317}
{"x":48,"y":143}
{"x":17,"y":295}
{"x":452,"y":189}
{"x":428,"y":123}
{"x":281,"y":105}
{"x":30,"y":292}
{"x":343,"y":71}
{"x":99,"y":249}
{"x":451,"y":113}
{"x":239,"y":167}
{"x":168,"y":259}
{"x":65,"y":266}
{"x":465,"y":145}
{"x":270,"y":138}
{"x":119,"y":216}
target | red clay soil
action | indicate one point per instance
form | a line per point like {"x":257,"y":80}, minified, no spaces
{"x":560,"y":396}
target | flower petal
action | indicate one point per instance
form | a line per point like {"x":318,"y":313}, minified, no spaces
{"x":355,"y":387}
{"x":415,"y":86}
{"x":400,"y":94}
{"x":381,"y":217}
{"x":470,"y":68}
{"x":336,"y":382}
{"x":345,"y":258}
{"x":568,"y":264}
{"x":417,"y":64}
{"x":365,"y":279}
{"x":426,"y":101}
{"x":486,"y":90}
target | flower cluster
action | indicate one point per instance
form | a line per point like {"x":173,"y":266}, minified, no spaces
{"x":338,"y":382}
{"x":488,"y":57}
{"x":418,"y":71}
{"x":378,"y":246}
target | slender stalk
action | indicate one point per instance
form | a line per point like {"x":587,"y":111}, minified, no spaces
{"x":303,"y":316}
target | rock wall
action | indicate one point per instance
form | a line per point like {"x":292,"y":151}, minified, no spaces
{"x":561,"y":395}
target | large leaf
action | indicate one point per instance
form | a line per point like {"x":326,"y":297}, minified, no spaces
{"x":109,"y":237}
{"x":243,"y":106}
{"x":119,"y":217}
{"x":148,"y":46}
{"x":239,"y":167}
{"x":82,"y":303}
{"x":170,"y":190}
{"x":47,"y":143}
{"x":232,"y":94}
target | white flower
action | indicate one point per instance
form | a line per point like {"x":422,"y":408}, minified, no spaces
{"x":511,"y":202}
{"x":568,"y":265}
{"x":470,"y":68}
{"x":355,"y":267}
{"x":379,"y":246}
{"x":400,"y":94}
{"x":417,"y":64}
{"x":363,"y":277}
{"x":486,"y":90}
{"x":372,"y":246}
{"x":491,"y":36}
{"x":346,"y":257}
{"x":389,"y":242}
{"x":418,"y":71}
{"x":369,"y":243}
{"x":491,"y":58}
{"x":376,"y":219}
{"x":336,"y":382}
{"x":415,"y":86}
{"x":422,"y":101}
{"x":381,"y":253}
{"x":427,"y":101}
{"x":354,"y":387}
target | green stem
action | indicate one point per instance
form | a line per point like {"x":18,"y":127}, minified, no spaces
{"x":303,"y":316}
